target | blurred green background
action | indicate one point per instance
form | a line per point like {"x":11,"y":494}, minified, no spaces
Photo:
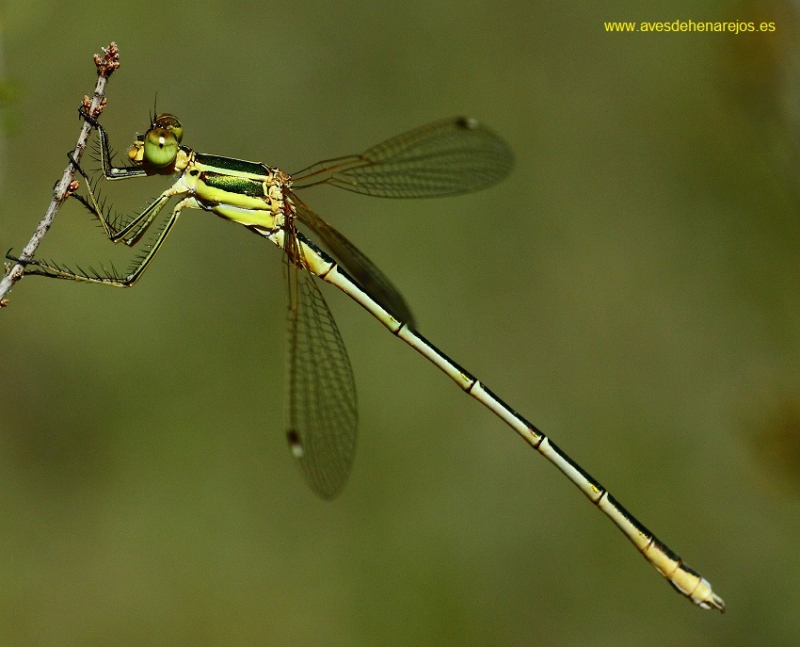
{"x":633,"y":289}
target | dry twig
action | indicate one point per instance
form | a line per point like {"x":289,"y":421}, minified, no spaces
{"x":106,"y":64}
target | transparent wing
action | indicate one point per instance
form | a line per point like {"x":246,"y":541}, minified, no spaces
{"x":443,"y":158}
{"x":375,"y":282}
{"x":322,"y":408}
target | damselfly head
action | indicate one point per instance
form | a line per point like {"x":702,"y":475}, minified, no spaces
{"x":158,"y":147}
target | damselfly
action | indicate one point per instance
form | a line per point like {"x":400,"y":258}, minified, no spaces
{"x":444,"y":158}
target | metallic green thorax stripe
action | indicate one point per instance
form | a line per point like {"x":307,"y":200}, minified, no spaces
{"x":255,"y":169}
{"x":251,"y":194}
{"x":233,"y":184}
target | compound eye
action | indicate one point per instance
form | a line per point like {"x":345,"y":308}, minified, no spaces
{"x":160,"y":147}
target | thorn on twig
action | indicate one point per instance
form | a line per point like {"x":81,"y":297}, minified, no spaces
{"x":109,"y":62}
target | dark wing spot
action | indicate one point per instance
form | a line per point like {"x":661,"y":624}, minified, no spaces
{"x":295,"y":444}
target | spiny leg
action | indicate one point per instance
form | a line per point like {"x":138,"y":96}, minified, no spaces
{"x":133,"y":230}
{"x":95,"y":207}
{"x":109,"y":171}
{"x":54,"y":271}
